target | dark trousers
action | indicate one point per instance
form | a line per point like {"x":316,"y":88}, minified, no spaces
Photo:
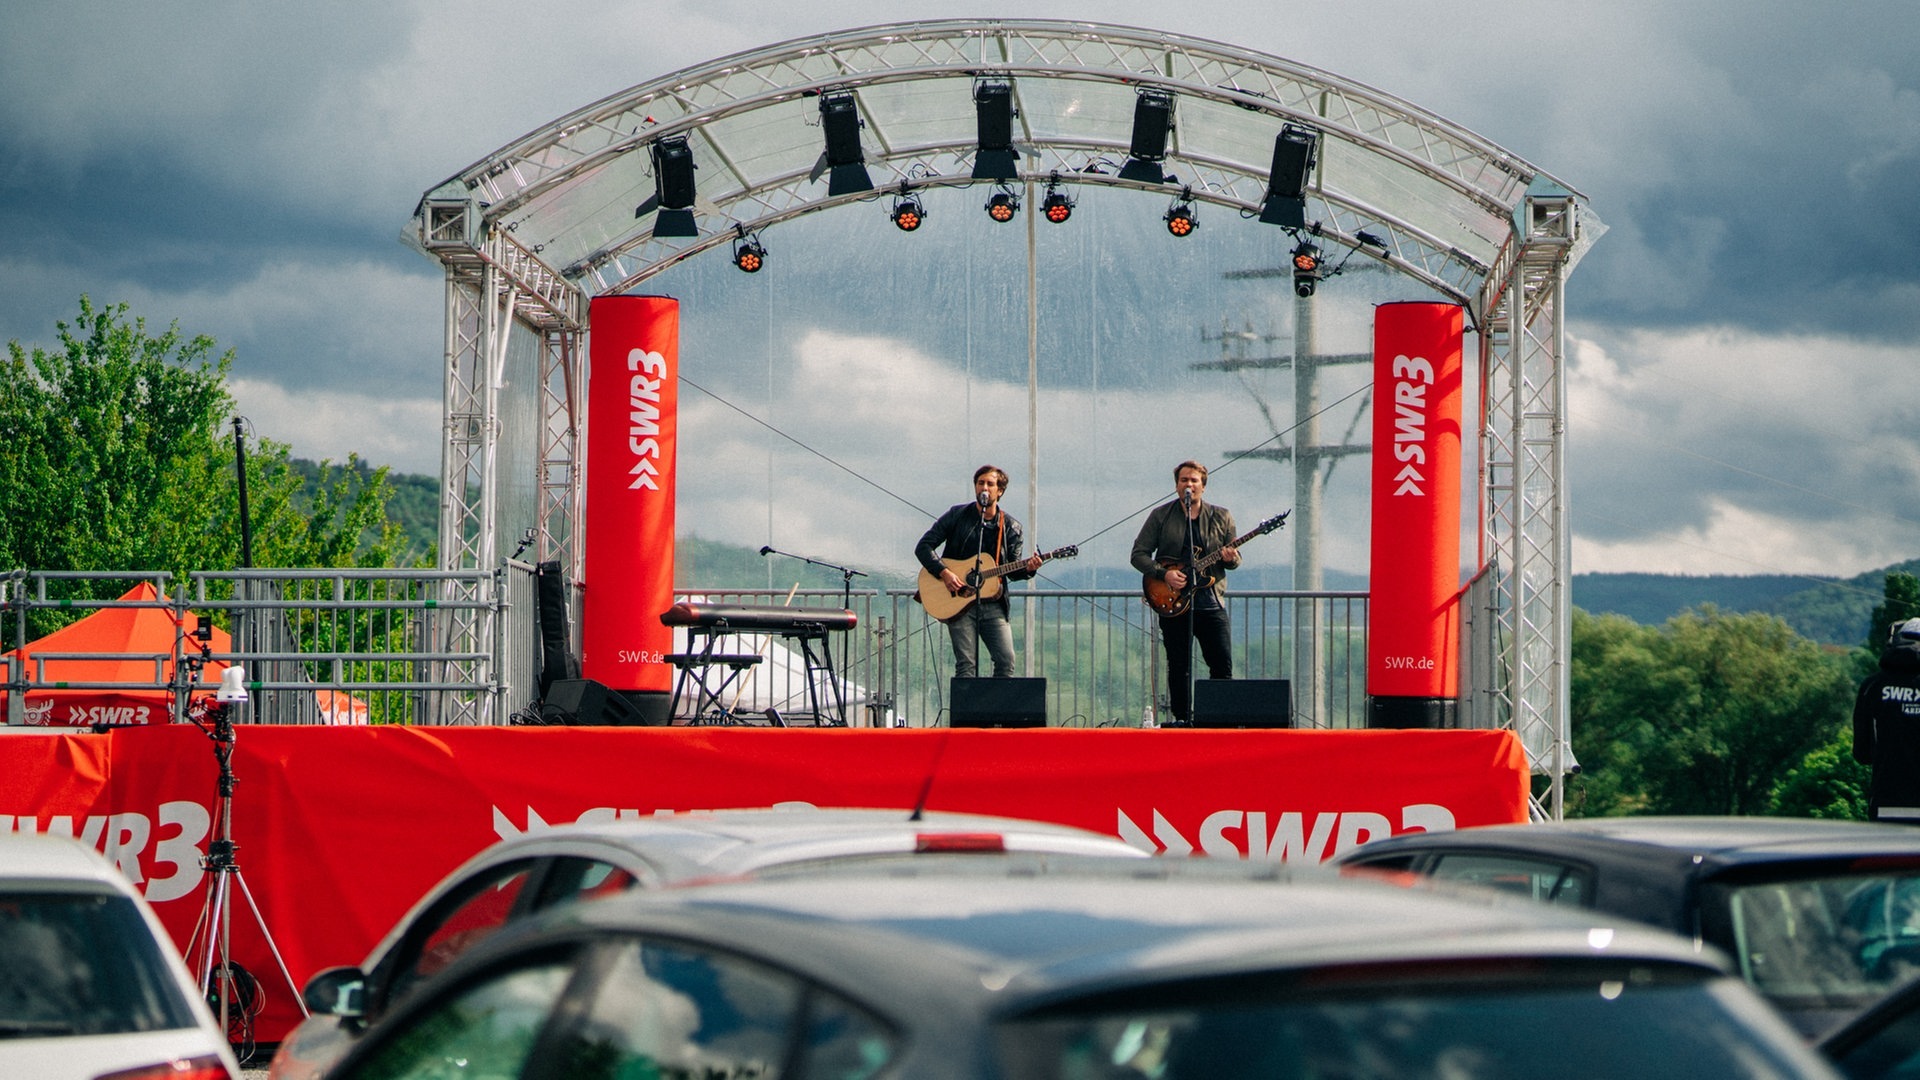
{"x":1210,"y":625}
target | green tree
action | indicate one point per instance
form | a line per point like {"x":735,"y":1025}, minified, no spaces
{"x":1709,"y":714}
{"x":1901,"y":602}
{"x":115,"y":456}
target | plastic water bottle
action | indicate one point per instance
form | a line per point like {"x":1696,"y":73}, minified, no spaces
{"x":1146,"y":717}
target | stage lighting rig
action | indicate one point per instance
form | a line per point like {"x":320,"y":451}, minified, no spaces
{"x":844,"y":160}
{"x":673,"y":189}
{"x":1152,"y":122}
{"x":1306,"y":268}
{"x":908,"y":213}
{"x":1180,"y":217}
{"x":1056,"y":207}
{"x":1294,"y":152}
{"x":1003,"y":205}
{"x":993,"y":109}
{"x":748,"y":254}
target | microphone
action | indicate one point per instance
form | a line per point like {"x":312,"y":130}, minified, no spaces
{"x":766,"y":551}
{"x":985,"y":499}
{"x":1186,"y":498}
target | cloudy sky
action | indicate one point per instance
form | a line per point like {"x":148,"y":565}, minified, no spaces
{"x":1745,"y":388}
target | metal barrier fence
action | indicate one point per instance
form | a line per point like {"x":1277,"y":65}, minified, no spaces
{"x":319,"y":646}
{"x":1099,"y":650}
{"x":462,"y":647}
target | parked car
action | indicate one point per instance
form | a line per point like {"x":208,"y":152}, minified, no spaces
{"x":90,"y":984}
{"x":518,"y":877}
{"x":1822,"y":917}
{"x":1882,"y":1043}
{"x":1116,"y":971}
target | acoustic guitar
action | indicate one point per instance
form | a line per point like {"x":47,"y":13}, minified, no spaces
{"x":978,"y":581}
{"x":1169,"y":601}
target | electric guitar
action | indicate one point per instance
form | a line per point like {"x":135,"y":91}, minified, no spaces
{"x":978,"y":582}
{"x":1169,"y":601}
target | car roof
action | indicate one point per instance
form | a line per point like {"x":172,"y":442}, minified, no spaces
{"x":1711,"y":841}
{"x":31,"y":860}
{"x":1092,"y":924}
{"x":723,"y":842}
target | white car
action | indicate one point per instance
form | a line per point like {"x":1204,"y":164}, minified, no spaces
{"x":90,"y":984}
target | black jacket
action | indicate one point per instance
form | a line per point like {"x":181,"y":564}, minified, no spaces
{"x":1886,"y":733}
{"x":965,"y":536}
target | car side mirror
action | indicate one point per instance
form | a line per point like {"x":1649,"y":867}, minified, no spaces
{"x":337,"y":991}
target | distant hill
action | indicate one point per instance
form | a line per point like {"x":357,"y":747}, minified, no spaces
{"x":1832,"y":611}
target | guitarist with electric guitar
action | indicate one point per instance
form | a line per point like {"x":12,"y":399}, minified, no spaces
{"x":1183,"y":552}
{"x":964,"y":557}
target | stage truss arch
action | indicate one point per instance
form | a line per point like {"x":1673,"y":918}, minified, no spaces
{"x":527,"y":234}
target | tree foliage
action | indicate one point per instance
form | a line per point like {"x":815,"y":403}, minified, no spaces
{"x":1710,"y":713}
{"x":115,"y":456}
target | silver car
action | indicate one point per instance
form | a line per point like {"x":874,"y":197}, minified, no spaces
{"x":516,"y":878}
{"x":90,"y":984}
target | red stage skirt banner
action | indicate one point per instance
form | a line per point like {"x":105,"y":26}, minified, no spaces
{"x":1414,"y":578}
{"x":633,"y":399}
{"x":340,"y":830}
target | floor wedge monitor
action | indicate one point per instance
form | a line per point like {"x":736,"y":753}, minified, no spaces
{"x":585,"y":702}
{"x":999,"y":703}
{"x":1242,"y":703}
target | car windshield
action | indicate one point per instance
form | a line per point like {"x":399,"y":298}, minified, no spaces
{"x":1621,"y":1022}
{"x":82,"y":964}
{"x":1840,"y":940}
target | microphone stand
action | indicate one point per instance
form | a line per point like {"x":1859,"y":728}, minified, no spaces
{"x":847,"y":574}
{"x":1192,"y":619}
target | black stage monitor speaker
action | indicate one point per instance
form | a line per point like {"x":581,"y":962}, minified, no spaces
{"x":998,"y":703}
{"x":586,"y":702}
{"x":1242,"y":703}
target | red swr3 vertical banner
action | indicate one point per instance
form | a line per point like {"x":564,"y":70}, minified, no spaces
{"x":1413,"y":614}
{"x":632,"y":427}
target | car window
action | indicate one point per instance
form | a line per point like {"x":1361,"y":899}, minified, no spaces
{"x":1550,"y":880}
{"x":1620,"y":1022}
{"x":668,"y":1010}
{"x":571,"y":878}
{"x":82,"y":964}
{"x":464,"y":917}
{"x":1844,"y":938}
{"x":485,"y":1031}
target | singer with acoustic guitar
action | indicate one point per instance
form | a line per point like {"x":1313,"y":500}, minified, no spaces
{"x":1173,"y":540}
{"x":976,"y":534}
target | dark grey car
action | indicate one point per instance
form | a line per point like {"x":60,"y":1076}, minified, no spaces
{"x":1822,"y":917}
{"x":1117,"y":972}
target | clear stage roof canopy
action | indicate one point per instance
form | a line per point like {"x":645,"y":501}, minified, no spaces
{"x":583,"y":196}
{"x":599,"y":201}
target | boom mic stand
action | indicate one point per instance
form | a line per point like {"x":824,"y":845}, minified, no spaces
{"x":847,"y":574}
{"x":235,"y":988}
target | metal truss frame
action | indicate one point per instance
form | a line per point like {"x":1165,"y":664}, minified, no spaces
{"x":1522,"y":454}
{"x":1488,"y":230}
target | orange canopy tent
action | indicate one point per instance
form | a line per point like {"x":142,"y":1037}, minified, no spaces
{"x":129,"y":645}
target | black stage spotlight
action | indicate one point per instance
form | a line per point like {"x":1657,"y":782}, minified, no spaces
{"x":1152,"y":120}
{"x":1293,"y":156}
{"x":1180,"y":219}
{"x":993,"y":103}
{"x":840,"y":116}
{"x":1056,"y":207}
{"x":1306,"y":268}
{"x":748,"y":255}
{"x":1003,"y":206}
{"x":673,"y":188}
{"x":907,"y":213}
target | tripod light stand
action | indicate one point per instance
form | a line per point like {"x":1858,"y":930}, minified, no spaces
{"x":235,"y":990}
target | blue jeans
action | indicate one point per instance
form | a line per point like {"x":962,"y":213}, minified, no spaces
{"x":977,"y":622}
